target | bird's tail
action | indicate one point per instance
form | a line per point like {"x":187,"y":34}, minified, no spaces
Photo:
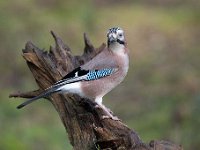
{"x":43,"y":94}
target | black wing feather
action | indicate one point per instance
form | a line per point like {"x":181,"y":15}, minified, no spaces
{"x":78,"y":72}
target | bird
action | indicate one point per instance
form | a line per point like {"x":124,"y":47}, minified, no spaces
{"x":98,"y":76}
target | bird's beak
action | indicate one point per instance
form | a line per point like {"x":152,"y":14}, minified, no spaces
{"x":112,"y":37}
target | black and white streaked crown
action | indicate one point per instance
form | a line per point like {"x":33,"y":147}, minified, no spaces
{"x":114,"y":30}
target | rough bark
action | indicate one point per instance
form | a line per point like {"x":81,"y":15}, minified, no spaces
{"x":82,"y":121}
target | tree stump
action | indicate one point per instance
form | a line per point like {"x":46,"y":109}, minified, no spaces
{"x":82,"y":121}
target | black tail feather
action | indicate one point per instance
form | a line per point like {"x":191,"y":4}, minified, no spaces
{"x":44,"y":94}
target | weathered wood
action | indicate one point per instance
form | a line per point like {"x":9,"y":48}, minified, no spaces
{"x":82,"y":121}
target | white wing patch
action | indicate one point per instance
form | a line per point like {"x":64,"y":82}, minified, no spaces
{"x":76,"y":75}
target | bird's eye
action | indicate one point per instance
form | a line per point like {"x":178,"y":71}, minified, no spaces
{"x":120,"y":35}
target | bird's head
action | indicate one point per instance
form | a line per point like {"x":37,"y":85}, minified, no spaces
{"x":115,"y":36}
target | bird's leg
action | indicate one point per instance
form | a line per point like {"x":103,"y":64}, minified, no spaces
{"x":107,"y":111}
{"x":101,"y":106}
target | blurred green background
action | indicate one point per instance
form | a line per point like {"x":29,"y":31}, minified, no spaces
{"x":160,"y":98}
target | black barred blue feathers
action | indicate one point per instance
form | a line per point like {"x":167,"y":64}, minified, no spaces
{"x":97,"y":74}
{"x":80,"y":74}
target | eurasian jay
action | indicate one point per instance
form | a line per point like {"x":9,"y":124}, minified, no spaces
{"x":97,"y":77}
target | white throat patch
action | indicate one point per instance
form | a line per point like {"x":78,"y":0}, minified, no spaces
{"x":117,"y":48}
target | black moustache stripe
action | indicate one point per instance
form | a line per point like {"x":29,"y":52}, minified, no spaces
{"x":120,"y":42}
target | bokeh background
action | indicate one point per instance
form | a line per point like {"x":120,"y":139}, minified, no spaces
{"x":160,"y":98}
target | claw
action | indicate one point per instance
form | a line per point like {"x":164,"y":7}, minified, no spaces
{"x":97,"y":106}
{"x":108,"y":112}
{"x":115,"y":118}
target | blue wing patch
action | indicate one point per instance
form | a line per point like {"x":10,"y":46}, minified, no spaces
{"x":84,"y":75}
{"x":96,"y":74}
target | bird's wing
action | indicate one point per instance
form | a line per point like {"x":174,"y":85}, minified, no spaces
{"x":84,"y":75}
{"x":100,"y":66}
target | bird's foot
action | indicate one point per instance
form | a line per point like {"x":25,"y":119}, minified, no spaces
{"x":97,"y":106}
{"x":110,"y":117}
{"x":100,"y":107}
{"x":108,"y":113}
